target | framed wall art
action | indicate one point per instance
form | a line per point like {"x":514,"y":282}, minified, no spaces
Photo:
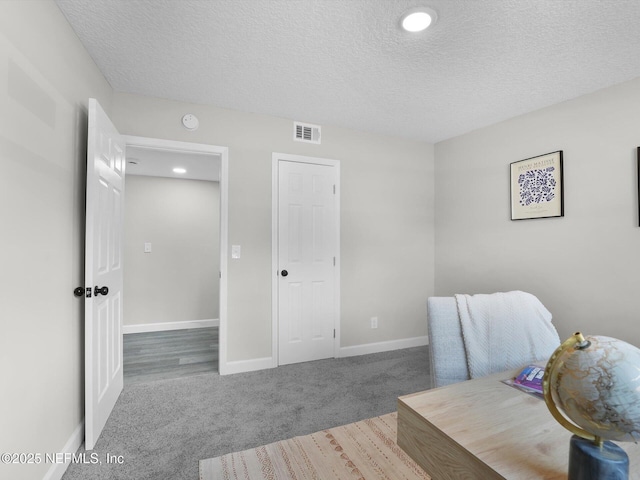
{"x":537,"y":187}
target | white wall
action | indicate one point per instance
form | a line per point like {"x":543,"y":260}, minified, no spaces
{"x":46,"y":77}
{"x":584,"y":266}
{"x":179,"y":280}
{"x":387,"y":218}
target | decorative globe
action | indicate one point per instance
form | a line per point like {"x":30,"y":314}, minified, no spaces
{"x":595,"y":382}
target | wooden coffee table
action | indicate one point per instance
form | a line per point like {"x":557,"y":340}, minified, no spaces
{"x":484,"y":429}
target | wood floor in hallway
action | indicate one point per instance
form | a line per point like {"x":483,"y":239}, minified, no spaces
{"x":154,"y":356}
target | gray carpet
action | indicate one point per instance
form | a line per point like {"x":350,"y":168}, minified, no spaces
{"x":163,"y":428}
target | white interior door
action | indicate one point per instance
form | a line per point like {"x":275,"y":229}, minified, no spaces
{"x":307,"y":271}
{"x":103,"y":268}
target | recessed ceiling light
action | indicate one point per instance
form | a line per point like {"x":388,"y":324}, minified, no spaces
{"x":418,"y":19}
{"x":179,"y":170}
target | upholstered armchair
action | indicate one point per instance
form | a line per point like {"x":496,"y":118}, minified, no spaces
{"x":510,"y":329}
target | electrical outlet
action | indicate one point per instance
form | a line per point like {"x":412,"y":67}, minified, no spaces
{"x":374,"y":322}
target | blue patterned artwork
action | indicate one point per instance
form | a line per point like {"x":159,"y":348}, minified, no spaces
{"x":536,"y":187}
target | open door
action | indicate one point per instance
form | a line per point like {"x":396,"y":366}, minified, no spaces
{"x":103,"y":271}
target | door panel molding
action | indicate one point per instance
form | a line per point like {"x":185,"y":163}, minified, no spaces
{"x":276,"y":159}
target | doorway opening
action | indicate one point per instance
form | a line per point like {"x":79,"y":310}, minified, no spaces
{"x":174,"y":262}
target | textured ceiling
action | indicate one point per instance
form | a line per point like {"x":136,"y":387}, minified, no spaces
{"x":347,"y":63}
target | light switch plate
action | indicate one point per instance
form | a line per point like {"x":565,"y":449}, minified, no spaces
{"x":147,"y":247}
{"x":235,"y":251}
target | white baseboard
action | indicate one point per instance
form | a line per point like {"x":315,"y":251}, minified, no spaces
{"x":243,"y":366}
{"x":56,"y":471}
{"x":160,"y":327}
{"x":380,"y":347}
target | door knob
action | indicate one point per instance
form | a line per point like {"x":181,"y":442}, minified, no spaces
{"x":100,"y":291}
{"x":284,"y":273}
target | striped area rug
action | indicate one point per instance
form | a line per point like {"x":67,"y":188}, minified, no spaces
{"x":364,"y":450}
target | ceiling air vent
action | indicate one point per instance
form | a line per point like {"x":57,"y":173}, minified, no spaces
{"x":305,"y":132}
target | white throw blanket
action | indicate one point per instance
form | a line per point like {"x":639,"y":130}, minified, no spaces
{"x":502,"y":331}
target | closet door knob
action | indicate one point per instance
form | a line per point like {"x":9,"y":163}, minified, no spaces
{"x":284,"y":273}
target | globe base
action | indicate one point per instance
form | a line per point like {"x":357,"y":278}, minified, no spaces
{"x":588,"y":461}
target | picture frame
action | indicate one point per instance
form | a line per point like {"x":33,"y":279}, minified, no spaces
{"x":537,"y":187}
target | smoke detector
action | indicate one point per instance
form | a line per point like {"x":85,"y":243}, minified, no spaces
{"x":190,"y":121}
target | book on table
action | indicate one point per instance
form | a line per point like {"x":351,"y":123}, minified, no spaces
{"x":530,"y":379}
